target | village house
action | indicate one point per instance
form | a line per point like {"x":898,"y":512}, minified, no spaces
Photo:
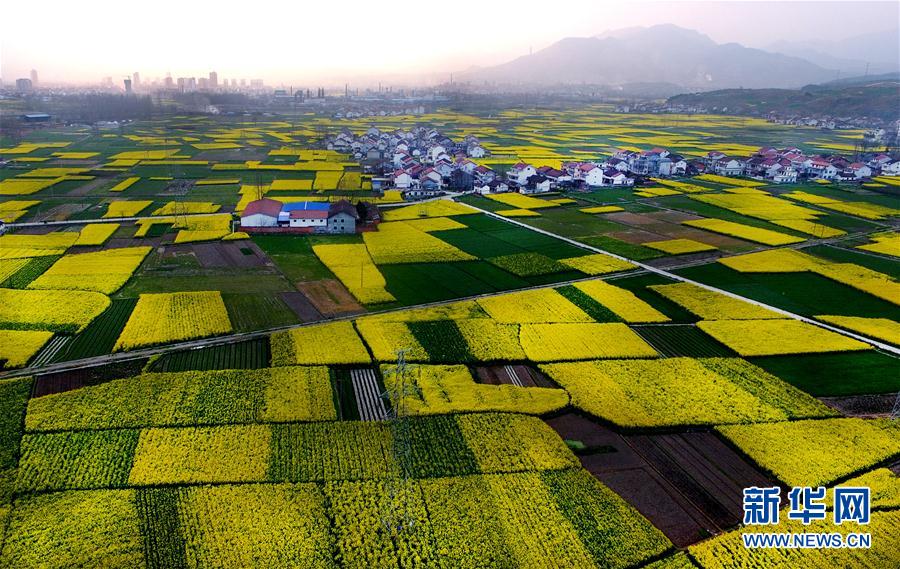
{"x":520,"y":173}
{"x":536,"y":184}
{"x":272,"y":216}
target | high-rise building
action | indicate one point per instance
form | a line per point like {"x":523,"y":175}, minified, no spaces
{"x":136,"y":80}
{"x":127,"y":86}
{"x":203,"y":83}
{"x":213,"y":80}
{"x":23,"y":85}
{"x":169,"y":82}
{"x":34,"y":78}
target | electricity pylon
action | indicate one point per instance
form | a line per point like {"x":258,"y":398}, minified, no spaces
{"x":398,"y":515}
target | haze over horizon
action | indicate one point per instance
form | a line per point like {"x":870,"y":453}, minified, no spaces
{"x":286,"y":43}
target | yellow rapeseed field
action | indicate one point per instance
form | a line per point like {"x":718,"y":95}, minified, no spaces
{"x":96,"y":233}
{"x":622,"y":302}
{"x":69,"y":310}
{"x":711,"y":305}
{"x":321,"y":344}
{"x":741,"y":231}
{"x":679,"y":246}
{"x":532,"y":306}
{"x":582,"y":341}
{"x":352,"y":264}
{"x":102,"y":271}
{"x":777,"y":337}
{"x":878,"y":328}
{"x":172,"y":317}
{"x":19,"y":346}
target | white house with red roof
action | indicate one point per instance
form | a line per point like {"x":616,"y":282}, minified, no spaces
{"x":261,"y":213}
{"x":520,"y":173}
{"x":401,"y":179}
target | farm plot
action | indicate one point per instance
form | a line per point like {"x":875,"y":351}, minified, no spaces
{"x":169,"y":317}
{"x":713,"y":391}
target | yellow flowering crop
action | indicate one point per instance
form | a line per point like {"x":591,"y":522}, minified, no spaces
{"x":385,"y":338}
{"x":601,"y":209}
{"x":841,"y":447}
{"x":400,"y":242}
{"x":517,"y":213}
{"x":11,"y":266}
{"x":435,"y":224}
{"x":810,"y":227}
{"x":527,"y":443}
{"x":679,"y":246}
{"x":436,"y":208}
{"x":681,"y":391}
{"x":50,"y":309}
{"x":711,"y":305}
{"x":741,"y":231}
{"x":582,"y":341}
{"x":279,"y":394}
{"x":622,"y":302}
{"x":451,"y":389}
{"x":730,"y":181}
{"x":597,"y":264}
{"x":96,"y":233}
{"x":144,"y":155}
{"x":352,"y":264}
{"x":788,"y":261}
{"x":491,"y":341}
{"x":125,"y":184}
{"x":55,"y":240}
{"x":861,"y":209}
{"x":535,"y":306}
{"x":103,"y":271}
{"x":21,"y":187}
{"x":75,"y":529}
{"x":327,"y":179}
{"x":201,"y":454}
{"x":126,"y":208}
{"x":291,"y":185}
{"x":184,"y":208}
{"x":886,"y":244}
{"x":520,"y":201}
{"x":320,"y":344}
{"x":171,"y":317}
{"x":776,"y":337}
{"x":19,"y":346}
{"x":253,"y":525}
{"x":879,"y":328}
{"x":53,"y":172}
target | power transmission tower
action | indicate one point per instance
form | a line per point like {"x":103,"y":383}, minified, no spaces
{"x":398,"y":515}
{"x":895,"y":412}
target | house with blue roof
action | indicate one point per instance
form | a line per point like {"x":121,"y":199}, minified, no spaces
{"x":268,"y":215}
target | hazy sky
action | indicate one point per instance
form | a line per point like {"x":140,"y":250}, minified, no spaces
{"x":298,"y":42}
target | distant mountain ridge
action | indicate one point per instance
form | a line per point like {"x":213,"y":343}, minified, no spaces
{"x":875,"y":52}
{"x":658,"y":54}
{"x":874,"y":97}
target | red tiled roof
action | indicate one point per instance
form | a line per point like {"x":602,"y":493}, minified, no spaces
{"x":264,"y":206}
{"x":309,"y":214}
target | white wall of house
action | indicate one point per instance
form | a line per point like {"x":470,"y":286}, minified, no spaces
{"x":259,"y":220}
{"x":594,"y":177}
{"x":306,"y":222}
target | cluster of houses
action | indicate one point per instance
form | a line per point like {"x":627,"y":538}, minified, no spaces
{"x":422,"y":163}
{"x":787,"y":165}
{"x":272,"y":216}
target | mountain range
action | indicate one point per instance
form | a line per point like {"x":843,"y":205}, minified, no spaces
{"x":663,"y":54}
